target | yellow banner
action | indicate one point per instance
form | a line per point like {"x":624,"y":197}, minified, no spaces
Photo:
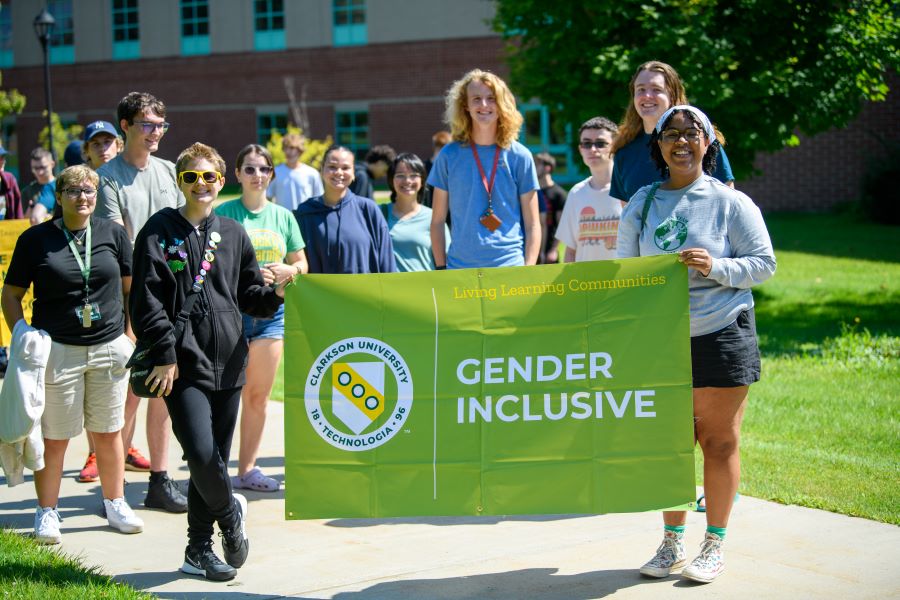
{"x":9,"y":233}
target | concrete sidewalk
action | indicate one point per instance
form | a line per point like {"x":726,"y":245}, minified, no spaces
{"x":772,"y":551}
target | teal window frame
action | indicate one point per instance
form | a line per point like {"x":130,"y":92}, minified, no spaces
{"x":267,"y":122}
{"x":268,"y":25}
{"x":194,"y":23}
{"x":62,"y":39}
{"x":125,"y":30}
{"x":349,"y":26}
{"x":351,"y":129}
{"x":6,"y":35}
{"x":569,"y":167}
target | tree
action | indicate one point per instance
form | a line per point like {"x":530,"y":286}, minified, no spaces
{"x":11,"y":102}
{"x":62,"y":137}
{"x":764,"y":70}
{"x":313,"y":155}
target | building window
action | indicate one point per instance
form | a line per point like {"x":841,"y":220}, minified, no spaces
{"x":266,"y":123}
{"x":126,"y":38}
{"x":350,"y":22}
{"x":194,"y":27}
{"x":268,"y":18}
{"x":542,"y":133}
{"x":62,"y":40}
{"x":6,"y":42}
{"x":352,"y":130}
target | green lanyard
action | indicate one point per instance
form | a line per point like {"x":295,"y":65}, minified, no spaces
{"x":84,"y":265}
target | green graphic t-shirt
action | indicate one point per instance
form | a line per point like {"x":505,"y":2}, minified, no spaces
{"x":273,"y":230}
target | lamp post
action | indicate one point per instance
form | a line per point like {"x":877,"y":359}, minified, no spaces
{"x":43,"y":27}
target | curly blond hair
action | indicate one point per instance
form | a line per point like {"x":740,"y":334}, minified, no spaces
{"x":509,"y":120}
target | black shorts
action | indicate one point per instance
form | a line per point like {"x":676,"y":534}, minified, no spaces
{"x":728,"y":357}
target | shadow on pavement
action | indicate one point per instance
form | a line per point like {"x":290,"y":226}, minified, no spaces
{"x":534,"y":584}
{"x":152,"y":579}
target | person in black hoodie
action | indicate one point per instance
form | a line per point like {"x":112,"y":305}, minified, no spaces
{"x":344,"y":233}
{"x":188,"y":252}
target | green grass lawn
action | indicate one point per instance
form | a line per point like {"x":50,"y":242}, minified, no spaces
{"x":821,"y":428}
{"x":32,"y":572}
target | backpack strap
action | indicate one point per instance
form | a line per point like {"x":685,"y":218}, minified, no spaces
{"x":647,"y":201}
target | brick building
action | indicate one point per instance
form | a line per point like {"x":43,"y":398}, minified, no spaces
{"x":363,"y":71}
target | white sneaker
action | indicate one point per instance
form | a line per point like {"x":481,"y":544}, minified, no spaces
{"x":710,"y":563}
{"x":46,"y":526}
{"x":669,"y":557}
{"x":121,"y":517}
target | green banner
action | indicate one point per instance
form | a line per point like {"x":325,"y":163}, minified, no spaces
{"x":555,"y":389}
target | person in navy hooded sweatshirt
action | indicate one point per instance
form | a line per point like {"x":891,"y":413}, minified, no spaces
{"x":344,"y":233}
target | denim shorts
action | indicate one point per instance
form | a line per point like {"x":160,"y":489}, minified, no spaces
{"x":728,"y":357}
{"x":265,"y":329}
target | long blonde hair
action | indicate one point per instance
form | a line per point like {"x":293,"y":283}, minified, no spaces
{"x":509,"y":119}
{"x":632,"y":125}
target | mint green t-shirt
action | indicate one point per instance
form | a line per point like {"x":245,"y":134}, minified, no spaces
{"x":273,"y":230}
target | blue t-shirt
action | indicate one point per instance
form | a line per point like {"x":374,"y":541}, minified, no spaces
{"x":633,"y":168}
{"x":47,"y":196}
{"x":455,"y":171}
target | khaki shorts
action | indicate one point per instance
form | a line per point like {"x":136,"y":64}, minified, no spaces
{"x":84,"y":388}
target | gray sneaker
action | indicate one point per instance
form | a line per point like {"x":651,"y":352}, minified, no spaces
{"x":46,"y":526}
{"x":669,"y":557}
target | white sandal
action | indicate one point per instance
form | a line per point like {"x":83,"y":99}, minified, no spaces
{"x":255,"y":480}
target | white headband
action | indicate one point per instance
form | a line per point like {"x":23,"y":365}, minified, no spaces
{"x":704,"y":120}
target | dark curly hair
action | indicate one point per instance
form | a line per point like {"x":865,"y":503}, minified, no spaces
{"x":709,"y":159}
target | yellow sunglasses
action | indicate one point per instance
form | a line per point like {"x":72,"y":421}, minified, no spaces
{"x":191,"y":177}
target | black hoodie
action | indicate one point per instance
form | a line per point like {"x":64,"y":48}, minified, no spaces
{"x":168,"y":253}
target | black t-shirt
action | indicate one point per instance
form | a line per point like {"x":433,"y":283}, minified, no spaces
{"x":43,"y":257}
{"x":556,"y":200}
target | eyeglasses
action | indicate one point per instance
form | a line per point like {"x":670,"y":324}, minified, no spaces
{"x":598,"y":144}
{"x":191,"y":177}
{"x":251,"y":170}
{"x":670,"y":136}
{"x":75,"y":193}
{"x":407,"y":176}
{"x":148,"y":127}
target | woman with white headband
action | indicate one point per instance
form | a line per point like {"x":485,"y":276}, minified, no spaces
{"x":719,"y":234}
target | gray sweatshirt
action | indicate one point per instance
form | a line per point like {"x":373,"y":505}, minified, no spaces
{"x":705,"y":214}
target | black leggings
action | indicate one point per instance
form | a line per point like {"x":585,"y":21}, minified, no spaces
{"x":203,"y":422}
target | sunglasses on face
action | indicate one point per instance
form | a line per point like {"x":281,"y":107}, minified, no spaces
{"x":190,"y":177}
{"x":148,"y":127}
{"x":598,"y":144}
{"x":251,"y":170}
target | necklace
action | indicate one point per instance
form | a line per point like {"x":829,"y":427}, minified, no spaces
{"x":78,"y":236}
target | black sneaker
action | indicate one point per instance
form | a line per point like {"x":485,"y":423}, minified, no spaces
{"x":235,"y":544}
{"x":164,"y":493}
{"x":201,"y":560}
